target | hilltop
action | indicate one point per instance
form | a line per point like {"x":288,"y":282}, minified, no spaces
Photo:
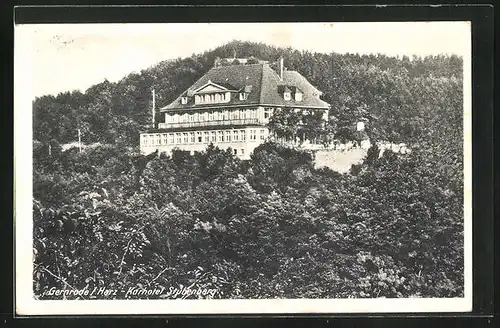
{"x":402,"y":98}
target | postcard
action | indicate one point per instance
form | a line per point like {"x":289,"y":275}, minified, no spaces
{"x":237,"y":168}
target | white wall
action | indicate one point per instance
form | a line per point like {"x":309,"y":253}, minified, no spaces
{"x":150,"y":142}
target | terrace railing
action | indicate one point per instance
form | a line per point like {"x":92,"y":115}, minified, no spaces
{"x":244,"y":121}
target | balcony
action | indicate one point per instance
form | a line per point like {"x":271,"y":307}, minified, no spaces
{"x":237,"y":122}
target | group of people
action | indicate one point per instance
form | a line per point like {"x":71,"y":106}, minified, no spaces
{"x":337,"y":145}
{"x":397,"y":148}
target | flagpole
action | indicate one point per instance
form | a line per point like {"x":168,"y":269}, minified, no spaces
{"x":79,"y":140}
{"x":153,"y":109}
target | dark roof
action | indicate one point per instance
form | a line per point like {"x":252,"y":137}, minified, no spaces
{"x":226,"y":85}
{"x":263,"y":85}
{"x":284,"y":88}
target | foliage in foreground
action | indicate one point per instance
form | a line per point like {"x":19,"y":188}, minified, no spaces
{"x":272,"y":226}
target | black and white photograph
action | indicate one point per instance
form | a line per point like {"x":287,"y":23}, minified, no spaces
{"x":190,"y":168}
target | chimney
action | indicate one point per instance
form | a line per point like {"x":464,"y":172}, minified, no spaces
{"x":281,"y":68}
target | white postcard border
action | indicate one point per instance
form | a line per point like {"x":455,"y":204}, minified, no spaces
{"x":23,"y":225}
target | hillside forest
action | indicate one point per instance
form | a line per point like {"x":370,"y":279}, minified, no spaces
{"x":273,"y":226}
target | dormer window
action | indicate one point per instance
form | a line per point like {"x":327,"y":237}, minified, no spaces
{"x":184,"y":100}
{"x":287,"y":95}
{"x":212,"y":93}
{"x":298,"y":96}
{"x":243,"y":96}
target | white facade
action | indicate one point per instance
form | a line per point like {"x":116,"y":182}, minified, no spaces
{"x":241,"y":129}
{"x":242,"y":140}
{"x":212,"y":117}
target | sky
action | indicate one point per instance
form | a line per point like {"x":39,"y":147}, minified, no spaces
{"x":66,"y":57}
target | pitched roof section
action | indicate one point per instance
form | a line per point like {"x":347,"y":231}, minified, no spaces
{"x":262,"y":83}
{"x":271,"y":83}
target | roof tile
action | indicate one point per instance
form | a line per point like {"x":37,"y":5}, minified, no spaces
{"x":260,"y":81}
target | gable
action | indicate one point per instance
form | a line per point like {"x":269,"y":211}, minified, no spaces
{"x":210,"y":87}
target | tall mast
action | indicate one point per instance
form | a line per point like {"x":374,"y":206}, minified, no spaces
{"x":79,"y":140}
{"x":153,"y":109}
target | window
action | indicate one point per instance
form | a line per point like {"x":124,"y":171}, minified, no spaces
{"x":213,"y":136}
{"x":228,"y":136}
{"x":262,"y":136}
{"x":221,"y":136}
{"x":243,"y":96}
{"x":242,"y":114}
{"x":287,"y":96}
{"x":253,"y":136}
{"x":207,"y":136}
{"x":185,"y":138}
{"x":210,"y":116}
{"x":171,"y":138}
{"x":235,"y":151}
{"x":164,"y":138}
{"x":243,"y":135}
{"x":198,"y":137}
{"x":235,"y":115}
{"x":267,"y":112}
{"x":298,"y":96}
{"x":178,"y":138}
{"x":191,"y":137}
{"x":242,"y":151}
{"x":184,"y":100}
{"x":235,"y":135}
